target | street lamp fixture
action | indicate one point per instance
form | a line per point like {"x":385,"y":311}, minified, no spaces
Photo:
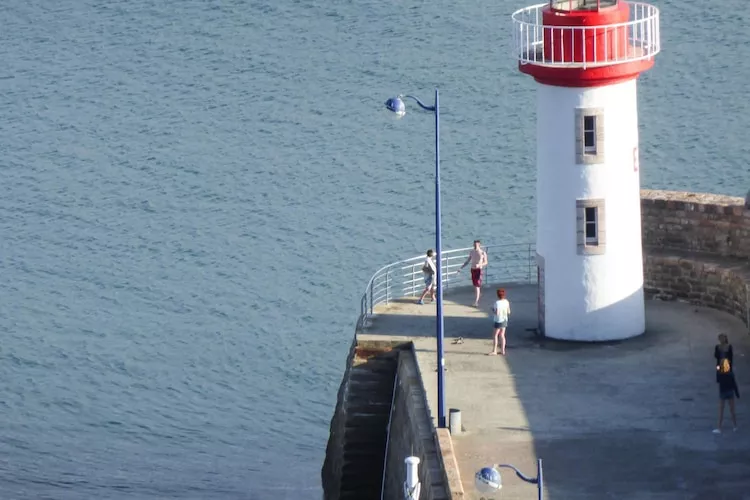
{"x":488,"y":480}
{"x":396,"y":104}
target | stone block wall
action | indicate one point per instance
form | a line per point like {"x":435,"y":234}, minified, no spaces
{"x":413,"y":432}
{"x":414,"y":435}
{"x":697,"y":249}
{"x":696,"y":222}
{"x":698,"y":280}
{"x":333,"y":463}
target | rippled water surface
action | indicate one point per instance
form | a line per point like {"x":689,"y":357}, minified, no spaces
{"x":194,"y":194}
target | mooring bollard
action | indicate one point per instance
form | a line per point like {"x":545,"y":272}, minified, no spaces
{"x":454,"y":421}
{"x":412,"y":488}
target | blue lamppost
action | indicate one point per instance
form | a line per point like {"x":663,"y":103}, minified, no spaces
{"x":396,"y":104}
{"x":488,"y":479}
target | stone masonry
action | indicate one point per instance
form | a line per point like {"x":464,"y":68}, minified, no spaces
{"x":697,"y":249}
{"x":696,"y":222}
{"x":412,"y":434}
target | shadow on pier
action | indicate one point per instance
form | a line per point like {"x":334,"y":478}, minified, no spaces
{"x":627,"y":419}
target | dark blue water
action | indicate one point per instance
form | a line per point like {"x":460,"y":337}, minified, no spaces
{"x":194,"y":194}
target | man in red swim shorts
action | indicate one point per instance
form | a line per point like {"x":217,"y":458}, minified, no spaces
{"x":478,"y":259}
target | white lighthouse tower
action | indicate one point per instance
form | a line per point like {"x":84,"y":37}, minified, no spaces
{"x":585,"y":56}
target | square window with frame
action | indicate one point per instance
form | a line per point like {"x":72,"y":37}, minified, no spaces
{"x":589,"y":135}
{"x":591,"y":229}
{"x":591,"y":221}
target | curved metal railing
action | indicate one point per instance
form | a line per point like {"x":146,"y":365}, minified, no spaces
{"x":510,"y":263}
{"x":580,"y":46}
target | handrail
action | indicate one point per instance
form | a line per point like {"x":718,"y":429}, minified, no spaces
{"x":634,"y":40}
{"x":388,"y":436}
{"x":510,"y":263}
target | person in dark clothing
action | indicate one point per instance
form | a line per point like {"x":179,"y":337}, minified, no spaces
{"x":727,"y":391}
{"x":723,"y":350}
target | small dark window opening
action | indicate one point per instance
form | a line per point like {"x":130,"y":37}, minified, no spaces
{"x":591,"y":225}
{"x":589,"y":134}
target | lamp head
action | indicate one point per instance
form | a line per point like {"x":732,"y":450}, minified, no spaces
{"x":396,"y":104}
{"x":488,"y":480}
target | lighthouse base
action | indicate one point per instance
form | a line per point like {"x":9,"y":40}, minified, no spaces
{"x":623,"y":319}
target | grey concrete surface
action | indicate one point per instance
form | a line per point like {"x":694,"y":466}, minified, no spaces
{"x":622,"y":420}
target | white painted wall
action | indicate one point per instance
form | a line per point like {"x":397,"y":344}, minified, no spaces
{"x":589,"y":297}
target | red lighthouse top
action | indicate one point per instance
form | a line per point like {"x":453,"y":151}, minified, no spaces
{"x":586,"y":43}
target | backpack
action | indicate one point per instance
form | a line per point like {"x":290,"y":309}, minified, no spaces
{"x":724,"y":366}
{"x":427,"y":269}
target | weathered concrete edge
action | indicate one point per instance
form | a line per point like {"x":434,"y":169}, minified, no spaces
{"x":443,"y":444}
{"x":450,"y":463}
{"x":683,"y":197}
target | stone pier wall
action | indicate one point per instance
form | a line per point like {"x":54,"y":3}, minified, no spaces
{"x":333,"y":463}
{"x":696,"y":249}
{"x":412,"y":434}
{"x":696,"y":222}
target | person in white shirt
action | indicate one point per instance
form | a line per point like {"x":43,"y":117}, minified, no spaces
{"x":478,"y":259}
{"x":501,"y":313}
{"x":429,"y":271}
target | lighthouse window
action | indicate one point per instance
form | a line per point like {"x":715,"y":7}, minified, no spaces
{"x":589,"y":134}
{"x":590,"y":226}
{"x":589,"y":128}
{"x":591,"y":236}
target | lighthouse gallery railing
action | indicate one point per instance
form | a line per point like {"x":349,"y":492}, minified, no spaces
{"x":642,"y":34}
{"x":510,"y":263}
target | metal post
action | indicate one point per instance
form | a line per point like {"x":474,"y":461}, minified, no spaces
{"x":387,"y":285}
{"x":540,"y":481}
{"x":447,"y":273}
{"x":371,"y":284}
{"x":438,"y":246}
{"x":487,"y":267}
{"x":528,"y":259}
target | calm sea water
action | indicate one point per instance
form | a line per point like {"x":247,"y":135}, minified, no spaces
{"x":194,"y":194}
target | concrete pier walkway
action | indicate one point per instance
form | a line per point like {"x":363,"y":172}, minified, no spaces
{"x":623,"y":420}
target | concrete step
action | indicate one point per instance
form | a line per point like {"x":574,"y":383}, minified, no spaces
{"x":365,"y":399}
{"x":372,"y":384}
{"x":368,"y":467}
{"x":359,"y":495}
{"x":366,"y":417}
{"x":384,"y":377}
{"x":388,"y":358}
{"x":376,"y":429}
{"x":378,"y":366}
{"x":362,"y":440}
{"x":366,"y":486}
{"x":367,"y":403}
{"x":361,"y":403}
{"x":385,"y":394}
{"x":372,"y":433}
{"x":368,"y":407}
{"x":362,"y":454}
